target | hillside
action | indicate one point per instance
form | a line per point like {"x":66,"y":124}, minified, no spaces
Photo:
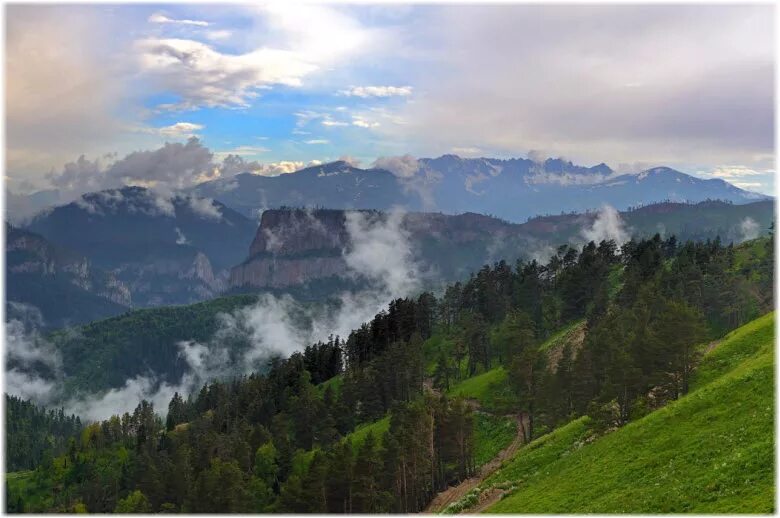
{"x":710,"y":451}
{"x":448,"y":388}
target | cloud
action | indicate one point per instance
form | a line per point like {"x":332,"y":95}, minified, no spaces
{"x":748,"y":185}
{"x":354,"y":162}
{"x":66,"y":86}
{"x":736,"y":171}
{"x":405,"y":166}
{"x":204,"y":207}
{"x":749,"y":229}
{"x":218,"y":35}
{"x":173,"y":166}
{"x":243,"y":151}
{"x":378,"y":91}
{"x":203,"y":76}
{"x":412,"y":177}
{"x":466,"y":150}
{"x":331,"y":123}
{"x":561,"y":86}
{"x":317,"y":141}
{"x":234,"y":164}
{"x":96,"y":407}
{"x":161,"y":18}
{"x":607,"y":225}
{"x":181,"y":239}
{"x":363,"y":123}
{"x":379,"y":253}
{"x":180,"y":130}
{"x":148,"y":202}
{"x":176,"y":165}
{"x":282,"y":167}
{"x":33,"y":366}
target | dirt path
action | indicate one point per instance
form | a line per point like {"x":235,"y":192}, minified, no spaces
{"x":455,"y":493}
{"x":711,"y":346}
{"x":486,"y":499}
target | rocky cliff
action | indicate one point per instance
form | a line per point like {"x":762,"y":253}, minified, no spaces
{"x":30,"y":254}
{"x":293,"y":247}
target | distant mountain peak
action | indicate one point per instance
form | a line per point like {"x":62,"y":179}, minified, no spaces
{"x":657,"y":171}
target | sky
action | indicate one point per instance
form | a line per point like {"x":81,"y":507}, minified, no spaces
{"x":176,"y":94}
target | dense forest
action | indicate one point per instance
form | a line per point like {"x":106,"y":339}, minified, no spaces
{"x":286,"y":440}
{"x":35,"y":435}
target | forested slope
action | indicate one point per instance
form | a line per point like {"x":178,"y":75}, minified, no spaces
{"x":712,"y":451}
{"x":597,"y":338}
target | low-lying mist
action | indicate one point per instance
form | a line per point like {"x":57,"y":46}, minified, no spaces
{"x":379,"y":255}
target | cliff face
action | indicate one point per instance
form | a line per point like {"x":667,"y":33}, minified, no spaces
{"x":294,"y":232}
{"x":293,"y":247}
{"x":30,"y":254}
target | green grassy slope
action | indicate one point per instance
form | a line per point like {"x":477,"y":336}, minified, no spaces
{"x":711,"y":451}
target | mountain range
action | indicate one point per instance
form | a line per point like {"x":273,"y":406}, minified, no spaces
{"x":134,"y":247}
{"x":513,"y":189}
{"x":162,"y":249}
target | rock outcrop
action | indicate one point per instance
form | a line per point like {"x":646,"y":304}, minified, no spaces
{"x":293,"y":247}
{"x":28,"y":253}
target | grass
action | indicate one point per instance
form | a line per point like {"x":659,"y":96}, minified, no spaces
{"x":334,"y":383}
{"x":736,"y":347}
{"x":709,"y":452}
{"x":377,"y":428}
{"x":490,"y":389}
{"x":491,"y":435}
{"x":561,"y":337}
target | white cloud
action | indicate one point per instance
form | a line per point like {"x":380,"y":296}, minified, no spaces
{"x":282,"y":167}
{"x":561,"y":86}
{"x":363,"y":123}
{"x":218,"y":35}
{"x":331,"y":122}
{"x":378,"y":91}
{"x":735,"y":171}
{"x":181,"y":239}
{"x":296,"y":42}
{"x":466,"y":150}
{"x":180,"y":130}
{"x":317,"y":141}
{"x":607,"y":225}
{"x":26,"y":352}
{"x":204,"y":76}
{"x":161,"y":18}
{"x":243,"y":151}
{"x":747,"y":185}
{"x":749,"y":229}
{"x":204,"y":207}
{"x":405,"y":166}
{"x":354,"y":162}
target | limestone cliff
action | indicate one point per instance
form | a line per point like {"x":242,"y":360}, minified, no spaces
{"x":293,"y":247}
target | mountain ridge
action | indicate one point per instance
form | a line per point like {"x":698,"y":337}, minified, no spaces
{"x":512,"y":189}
